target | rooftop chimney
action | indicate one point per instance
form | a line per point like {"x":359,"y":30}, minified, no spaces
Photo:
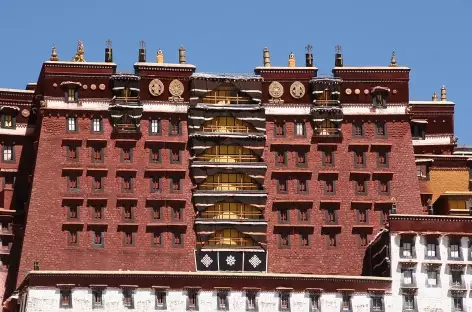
{"x":54,"y":56}
{"x":266,"y":55}
{"x":443,"y":93}
{"x":291,"y":60}
{"x":338,"y":59}
{"x":182,"y":56}
{"x":142,"y":52}
{"x":308,"y":56}
{"x":159,"y":57}
{"x":108,"y":52}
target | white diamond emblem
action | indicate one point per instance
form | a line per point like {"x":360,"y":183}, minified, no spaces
{"x":255,"y":261}
{"x":230,"y":260}
{"x":206,"y":260}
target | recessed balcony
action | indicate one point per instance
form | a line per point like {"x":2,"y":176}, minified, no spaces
{"x":327,"y":133}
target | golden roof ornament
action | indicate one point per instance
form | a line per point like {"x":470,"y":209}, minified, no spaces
{"x":160,"y":56}
{"x":266,"y":55}
{"x":54,"y":57}
{"x":291,"y":60}
{"x":393,"y":60}
{"x":434,"y":97}
{"x":443,"y":93}
{"x":80,"y":54}
{"x":182,"y":56}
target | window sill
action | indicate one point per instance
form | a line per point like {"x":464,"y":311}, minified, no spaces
{"x":294,"y":225}
{"x":331,"y":226}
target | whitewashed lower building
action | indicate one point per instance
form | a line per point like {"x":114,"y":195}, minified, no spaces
{"x":165,"y":291}
{"x":431,"y":262}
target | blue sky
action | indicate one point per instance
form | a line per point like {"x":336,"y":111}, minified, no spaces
{"x":432,"y":37}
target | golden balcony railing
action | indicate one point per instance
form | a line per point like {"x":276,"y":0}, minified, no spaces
{"x":224,"y":99}
{"x":230,"y":242}
{"x":232,"y":211}
{"x":229,"y":215}
{"x":230,"y":186}
{"x":326,"y":102}
{"x":126,"y":99}
{"x":226,"y":129}
{"x":226,"y":158}
{"x":328,"y":132}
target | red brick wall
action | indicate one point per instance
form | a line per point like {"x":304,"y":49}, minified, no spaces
{"x":47,"y":214}
{"x":348,"y":256}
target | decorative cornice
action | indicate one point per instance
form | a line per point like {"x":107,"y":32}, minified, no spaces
{"x":404,"y":217}
{"x":209,"y":275}
{"x":95,"y":65}
{"x":165,"y":67}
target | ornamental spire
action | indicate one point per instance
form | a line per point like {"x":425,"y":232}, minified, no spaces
{"x":160,"y":57}
{"x":80,"y":54}
{"x":54,"y":57}
{"x":393,"y":60}
{"x":434,"y":97}
{"x":266,"y":55}
{"x":443,"y":93}
{"x":291,"y":60}
{"x":182,"y":56}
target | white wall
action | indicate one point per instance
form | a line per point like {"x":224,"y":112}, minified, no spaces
{"x":47,"y":300}
{"x":429,"y":299}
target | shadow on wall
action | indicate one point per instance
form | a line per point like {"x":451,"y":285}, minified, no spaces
{"x":376,"y":258}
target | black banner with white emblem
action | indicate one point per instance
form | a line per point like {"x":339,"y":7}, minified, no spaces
{"x":207,"y":260}
{"x":231,"y":261}
{"x":227,"y":260}
{"x":255,"y":261}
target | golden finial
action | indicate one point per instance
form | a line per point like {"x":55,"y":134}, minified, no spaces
{"x":80,"y":54}
{"x":291,"y":60}
{"x":182,"y":56}
{"x":393,"y":60}
{"x":266,"y":56}
{"x":54,"y":56}
{"x":435,"y":96}
{"x":160,"y":56}
{"x":443,"y":93}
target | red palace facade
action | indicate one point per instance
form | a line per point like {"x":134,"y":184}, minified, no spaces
{"x":277,"y":181}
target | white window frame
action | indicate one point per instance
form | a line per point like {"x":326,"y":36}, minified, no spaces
{"x":377,"y":304}
{"x":458,"y":274}
{"x":155,"y":126}
{"x":97,"y":125}
{"x":299,"y":129}
{"x":407,"y":277}
{"x":431,"y":250}
{"x":432,"y":278}
{"x":407,"y":251}
{"x":7,"y":153}
{"x":454,"y":250}
{"x":71,"y":124}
